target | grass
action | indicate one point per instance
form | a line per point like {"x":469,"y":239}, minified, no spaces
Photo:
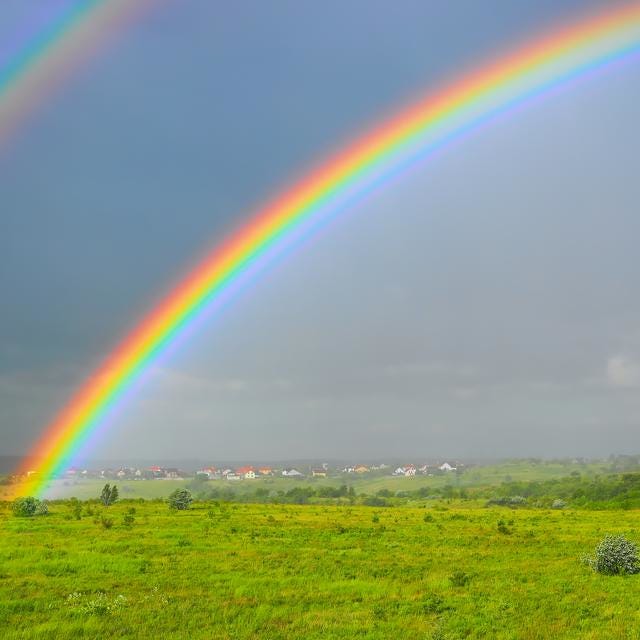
{"x":285,"y":571}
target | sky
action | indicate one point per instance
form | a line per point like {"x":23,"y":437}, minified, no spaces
{"x":486,"y":304}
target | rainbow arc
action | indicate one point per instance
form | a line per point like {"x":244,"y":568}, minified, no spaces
{"x":442,"y":116}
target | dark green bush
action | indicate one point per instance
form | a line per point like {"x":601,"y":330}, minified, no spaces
{"x":29,"y":506}
{"x":180,"y":499}
{"x":614,"y":555}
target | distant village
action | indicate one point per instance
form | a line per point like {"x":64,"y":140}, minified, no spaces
{"x":250,"y":472}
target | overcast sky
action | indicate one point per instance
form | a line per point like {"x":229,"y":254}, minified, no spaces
{"x":485,"y":304}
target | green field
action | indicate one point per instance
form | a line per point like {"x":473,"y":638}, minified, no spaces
{"x":285,"y":571}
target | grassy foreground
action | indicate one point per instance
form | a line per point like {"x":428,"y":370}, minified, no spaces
{"x":285,"y":571}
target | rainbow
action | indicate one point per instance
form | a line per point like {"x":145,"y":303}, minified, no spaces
{"x":416,"y":132}
{"x":42,"y":61}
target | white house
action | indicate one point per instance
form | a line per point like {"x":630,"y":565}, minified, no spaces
{"x":447,"y":467}
{"x":292,"y":473}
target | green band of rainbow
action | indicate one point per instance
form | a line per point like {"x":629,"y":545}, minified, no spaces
{"x":431,"y":122}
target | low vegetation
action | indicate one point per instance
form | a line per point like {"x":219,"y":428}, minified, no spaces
{"x":446,"y":569}
{"x":28,"y":507}
{"x":383,"y":558}
{"x":180,"y":499}
{"x":614,"y":555}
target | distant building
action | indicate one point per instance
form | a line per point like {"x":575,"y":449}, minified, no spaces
{"x":446,"y":467}
{"x":292,"y":473}
{"x":265,"y":471}
{"x":206,"y":472}
{"x":319,"y":473}
{"x":360,"y":468}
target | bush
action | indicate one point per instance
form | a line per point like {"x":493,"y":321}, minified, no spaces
{"x":614,"y":555}
{"x":76,"y":508}
{"x":558,"y":504}
{"x":509,"y":501}
{"x":106,"y":523}
{"x":27,"y":507}
{"x":180,"y":499}
{"x":502,"y":528}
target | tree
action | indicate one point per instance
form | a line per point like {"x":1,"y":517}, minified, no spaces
{"x":109,"y":494}
{"x":180,"y":499}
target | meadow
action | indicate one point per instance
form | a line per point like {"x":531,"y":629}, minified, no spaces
{"x":444,"y":569}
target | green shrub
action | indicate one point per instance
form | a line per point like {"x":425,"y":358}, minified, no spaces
{"x":614,"y":555}
{"x":106,"y":523}
{"x":508,"y":501}
{"x":180,"y":499}
{"x":29,"y":506}
{"x":502,"y":528}
{"x":76,"y":508}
